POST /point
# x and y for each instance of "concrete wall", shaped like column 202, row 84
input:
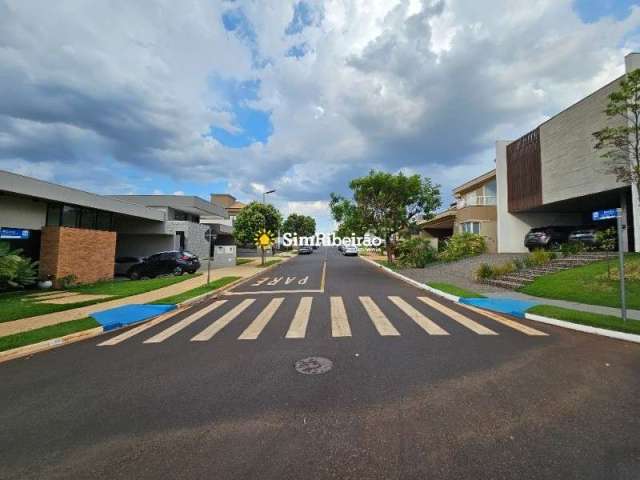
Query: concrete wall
column 486, row 215
column 512, row 228
column 89, row 255
column 195, row 241
column 22, row 212
column 142, row 245
column 571, row 167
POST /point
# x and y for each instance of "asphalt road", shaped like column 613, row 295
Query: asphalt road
column 413, row 392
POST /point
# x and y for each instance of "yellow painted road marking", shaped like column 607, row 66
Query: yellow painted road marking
column 256, row 327
column 339, row 322
column 298, row 327
column 184, row 323
column 223, row 321
column 324, row 274
column 507, row 321
column 458, row 317
column 140, row 328
column 379, row 319
column 427, row 324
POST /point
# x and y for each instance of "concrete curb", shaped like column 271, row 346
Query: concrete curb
column 413, row 282
column 50, row 344
column 629, row 337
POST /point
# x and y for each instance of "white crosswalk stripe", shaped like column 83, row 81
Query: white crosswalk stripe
column 184, row 323
column 256, row 327
column 339, row 320
column 508, row 322
column 136, row 330
column 298, row 327
column 458, row 317
column 379, row 319
column 422, row 320
column 223, row 321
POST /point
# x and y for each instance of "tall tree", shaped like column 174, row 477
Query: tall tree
column 621, row 144
column 344, row 212
column 385, row 204
column 303, row 225
column 252, row 219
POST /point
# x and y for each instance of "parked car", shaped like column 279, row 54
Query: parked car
column 350, row 250
column 341, row 248
column 550, row 238
column 588, row 235
column 164, row 263
column 124, row 264
column 305, row 250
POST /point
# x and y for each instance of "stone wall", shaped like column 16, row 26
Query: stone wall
column 89, row 255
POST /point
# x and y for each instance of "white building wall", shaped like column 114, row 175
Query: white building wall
column 20, row 212
column 512, row 227
column 632, row 62
column 142, row 245
column 194, row 234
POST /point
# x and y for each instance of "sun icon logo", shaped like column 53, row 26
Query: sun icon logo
column 264, row 238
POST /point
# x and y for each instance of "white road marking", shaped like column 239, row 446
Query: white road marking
column 275, row 281
column 256, row 327
column 271, row 292
column 223, row 321
column 508, row 322
column 140, row 328
column 379, row 319
column 458, row 317
column 339, row 322
column 298, row 327
column 427, row 324
column 184, row 323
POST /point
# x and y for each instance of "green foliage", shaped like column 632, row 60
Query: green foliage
column 252, row 219
column 539, row 257
column 46, row 333
column 455, row 290
column 485, row 272
column 16, row 271
column 621, row 144
column 463, row 245
column 303, row 225
column 67, row 281
column 416, row 253
column 571, row 248
column 385, row 204
column 607, row 239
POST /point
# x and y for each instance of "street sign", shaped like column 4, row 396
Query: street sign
column 14, row 234
column 604, row 214
column 210, row 236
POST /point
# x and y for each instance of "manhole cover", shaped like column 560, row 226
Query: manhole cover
column 314, row 365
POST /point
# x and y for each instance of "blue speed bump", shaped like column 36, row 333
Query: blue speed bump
column 510, row 306
column 129, row 314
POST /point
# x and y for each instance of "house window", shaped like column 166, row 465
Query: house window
column 70, row 216
column 54, row 211
column 470, row 227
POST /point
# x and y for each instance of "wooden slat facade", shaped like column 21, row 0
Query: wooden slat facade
column 524, row 172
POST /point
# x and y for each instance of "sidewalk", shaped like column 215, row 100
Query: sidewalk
column 25, row 324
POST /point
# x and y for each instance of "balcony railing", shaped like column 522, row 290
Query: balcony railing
column 480, row 201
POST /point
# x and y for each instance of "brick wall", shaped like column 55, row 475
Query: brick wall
column 87, row 254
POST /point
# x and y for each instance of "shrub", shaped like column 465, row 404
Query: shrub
column 463, row 245
column 539, row 257
column 571, row 248
column 416, row 253
column 67, row 281
column 16, row 271
column 485, row 272
column 607, row 239
column 519, row 263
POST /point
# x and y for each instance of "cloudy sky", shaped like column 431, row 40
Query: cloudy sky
column 197, row 96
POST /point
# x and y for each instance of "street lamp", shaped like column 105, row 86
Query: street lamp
column 264, row 194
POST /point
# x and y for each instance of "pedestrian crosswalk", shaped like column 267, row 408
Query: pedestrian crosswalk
column 385, row 315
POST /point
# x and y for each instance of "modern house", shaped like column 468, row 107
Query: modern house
column 76, row 233
column 473, row 211
column 553, row 176
column 230, row 204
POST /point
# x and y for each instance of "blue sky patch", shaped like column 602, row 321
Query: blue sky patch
column 303, row 16
column 593, row 10
column 298, row 51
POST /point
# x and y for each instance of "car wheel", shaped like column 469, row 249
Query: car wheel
column 134, row 275
column 555, row 245
column 178, row 271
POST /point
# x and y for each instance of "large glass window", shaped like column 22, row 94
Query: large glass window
column 70, row 216
column 54, row 210
column 104, row 221
column 88, row 218
column 470, row 227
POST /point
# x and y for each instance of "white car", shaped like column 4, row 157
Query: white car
column 350, row 250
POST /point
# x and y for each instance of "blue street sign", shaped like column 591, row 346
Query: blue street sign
column 14, row 233
column 604, row 214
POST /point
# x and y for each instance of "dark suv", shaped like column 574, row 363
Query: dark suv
column 587, row 235
column 164, row 263
column 550, row 238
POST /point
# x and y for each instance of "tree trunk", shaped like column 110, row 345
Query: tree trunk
column 389, row 250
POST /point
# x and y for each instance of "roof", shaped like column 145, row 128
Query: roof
column 32, row 187
column 237, row 204
column 186, row 203
column 441, row 220
column 475, row 181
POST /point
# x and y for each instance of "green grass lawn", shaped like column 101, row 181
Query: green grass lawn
column 46, row 333
column 589, row 284
column 16, row 305
column 181, row 297
column 385, row 263
column 242, row 261
column 454, row 290
column 268, row 263
column 586, row 318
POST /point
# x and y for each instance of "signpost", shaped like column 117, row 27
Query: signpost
column 14, row 233
column 210, row 236
column 609, row 215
